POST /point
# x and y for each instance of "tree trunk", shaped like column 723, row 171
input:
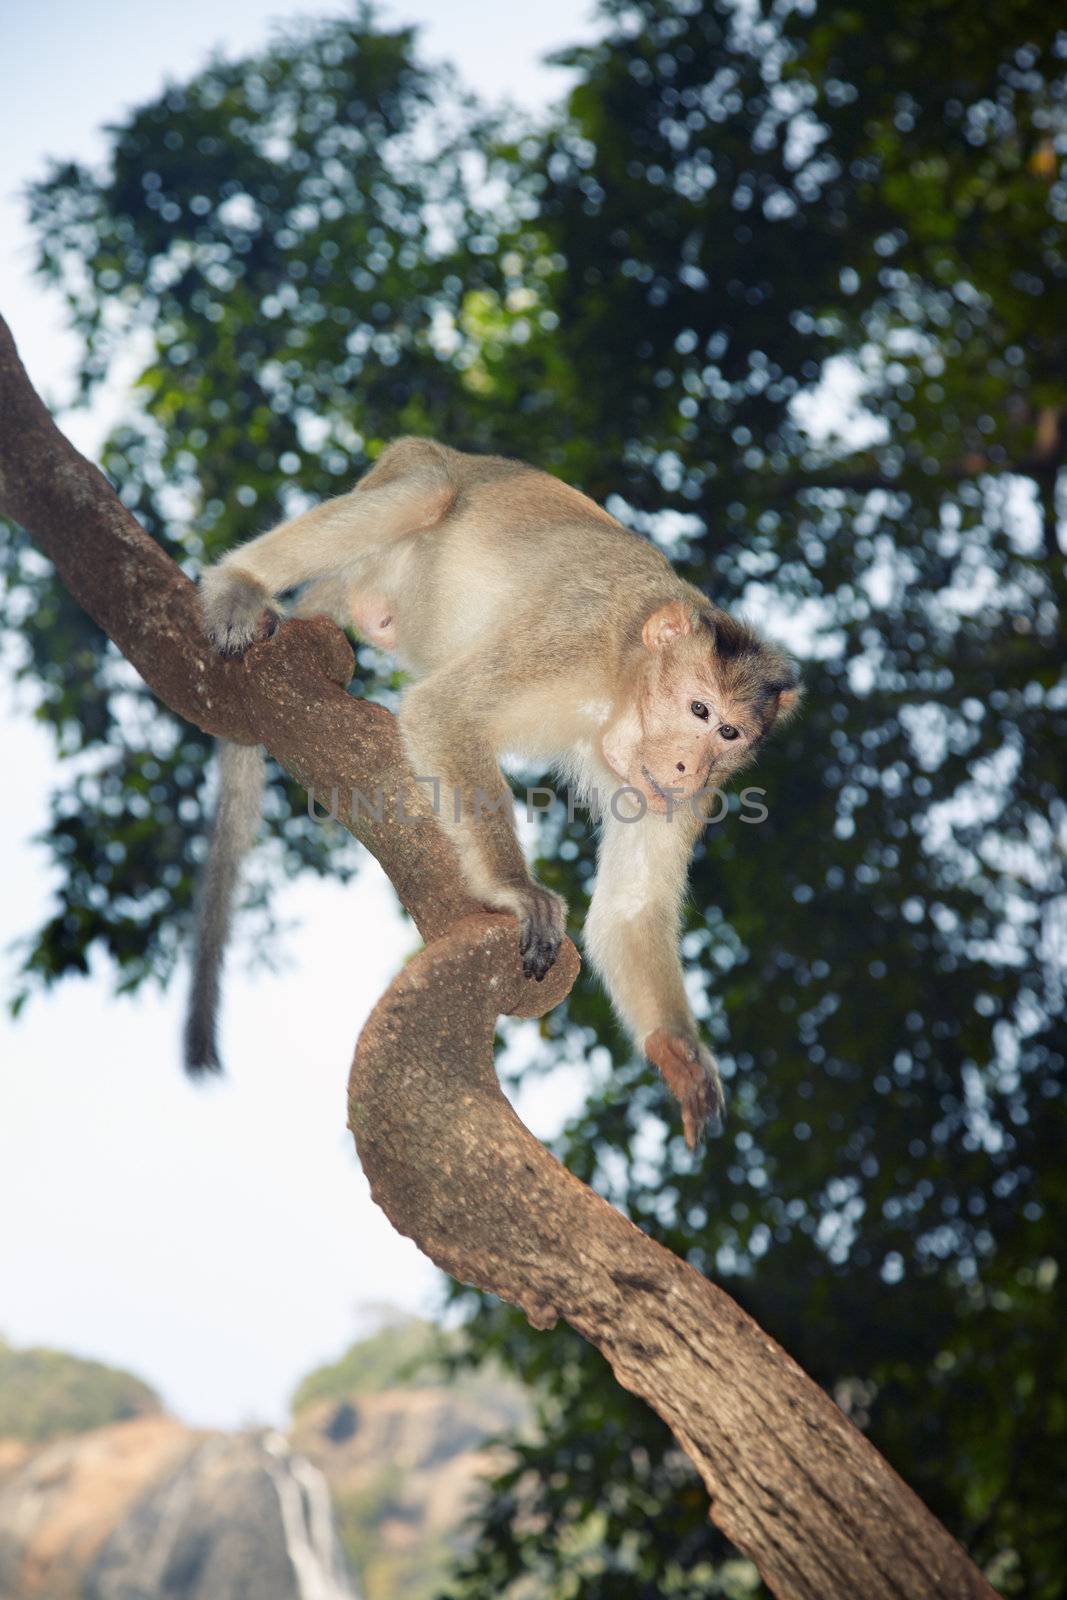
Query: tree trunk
column 792, row 1483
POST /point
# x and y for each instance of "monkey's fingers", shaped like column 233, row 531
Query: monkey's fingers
column 539, row 960
column 538, row 950
column 265, row 626
column 691, row 1074
column 541, row 929
column 240, row 636
column 237, row 611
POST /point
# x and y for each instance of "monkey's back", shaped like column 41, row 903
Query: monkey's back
column 503, row 557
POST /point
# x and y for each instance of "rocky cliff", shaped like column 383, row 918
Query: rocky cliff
column 404, row 1466
column 376, row 1476
column 404, row 1443
column 148, row 1509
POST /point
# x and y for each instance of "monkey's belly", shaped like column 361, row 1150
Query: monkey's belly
column 373, row 617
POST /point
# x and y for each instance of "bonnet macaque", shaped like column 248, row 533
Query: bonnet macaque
column 533, row 623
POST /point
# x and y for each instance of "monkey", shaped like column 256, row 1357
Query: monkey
column 532, row 622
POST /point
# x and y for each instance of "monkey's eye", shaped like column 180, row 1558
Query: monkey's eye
column 728, row 731
column 699, row 709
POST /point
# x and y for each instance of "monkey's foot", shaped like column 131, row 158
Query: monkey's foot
column 691, row 1073
column 237, row 611
column 542, row 921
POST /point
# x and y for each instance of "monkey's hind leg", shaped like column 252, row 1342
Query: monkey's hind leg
column 409, row 490
column 445, row 741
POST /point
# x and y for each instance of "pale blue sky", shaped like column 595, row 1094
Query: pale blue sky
column 218, row 1243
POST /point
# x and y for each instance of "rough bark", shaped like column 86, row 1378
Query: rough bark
column 792, row 1482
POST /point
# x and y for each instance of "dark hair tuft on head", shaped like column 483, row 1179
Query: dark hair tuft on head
column 732, row 638
column 790, row 678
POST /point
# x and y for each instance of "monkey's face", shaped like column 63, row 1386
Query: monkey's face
column 706, row 693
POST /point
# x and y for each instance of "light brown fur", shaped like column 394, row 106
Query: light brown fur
column 536, row 624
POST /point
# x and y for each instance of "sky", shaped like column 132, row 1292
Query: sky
column 218, row 1242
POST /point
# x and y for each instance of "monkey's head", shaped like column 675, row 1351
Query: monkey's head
column 706, row 692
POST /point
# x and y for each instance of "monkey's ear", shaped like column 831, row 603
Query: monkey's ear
column 789, row 701
column 790, row 693
column 666, row 624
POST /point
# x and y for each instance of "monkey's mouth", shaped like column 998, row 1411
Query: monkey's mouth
column 660, row 793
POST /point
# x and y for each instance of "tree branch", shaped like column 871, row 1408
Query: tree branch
column 792, row 1482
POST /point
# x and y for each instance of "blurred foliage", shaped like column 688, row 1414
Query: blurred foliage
column 786, row 285
column 405, row 1352
column 45, row 1393
column 270, row 247
column 746, row 203
column 396, row 1356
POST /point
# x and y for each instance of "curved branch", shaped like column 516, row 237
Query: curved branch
column 792, row 1482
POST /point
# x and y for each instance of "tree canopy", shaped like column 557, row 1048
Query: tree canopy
column 786, row 284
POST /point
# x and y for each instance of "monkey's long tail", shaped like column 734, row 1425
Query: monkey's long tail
column 242, row 779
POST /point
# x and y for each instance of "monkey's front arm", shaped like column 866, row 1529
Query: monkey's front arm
column 631, row 935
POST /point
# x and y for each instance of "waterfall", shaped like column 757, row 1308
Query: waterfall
column 307, row 1522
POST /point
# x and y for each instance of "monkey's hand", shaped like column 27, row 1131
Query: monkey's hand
column 691, row 1073
column 237, row 611
column 542, row 922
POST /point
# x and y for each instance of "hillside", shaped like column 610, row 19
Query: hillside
column 44, row 1393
